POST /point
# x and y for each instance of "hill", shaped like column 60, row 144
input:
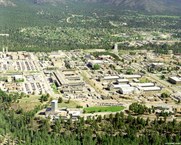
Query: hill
column 151, row 6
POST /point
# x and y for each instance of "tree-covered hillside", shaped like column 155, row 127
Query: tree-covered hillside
column 72, row 25
column 19, row 127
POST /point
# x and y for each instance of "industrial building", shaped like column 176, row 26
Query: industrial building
column 122, row 81
column 111, row 78
column 54, row 112
column 127, row 90
column 54, row 105
column 118, row 86
column 142, row 84
column 68, row 81
column 154, row 88
column 175, row 80
column 130, row 76
column 91, row 63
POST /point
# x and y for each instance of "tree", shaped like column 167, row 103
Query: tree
column 164, row 95
column 138, row 108
column 96, row 67
column 60, row 100
column 44, row 98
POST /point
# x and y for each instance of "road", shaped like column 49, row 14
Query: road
column 87, row 78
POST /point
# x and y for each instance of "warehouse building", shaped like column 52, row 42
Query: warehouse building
column 175, row 80
column 142, row 84
column 154, row 88
column 130, row 76
column 127, row 90
column 122, row 81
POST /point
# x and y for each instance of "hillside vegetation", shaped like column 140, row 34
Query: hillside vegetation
column 39, row 26
column 20, row 127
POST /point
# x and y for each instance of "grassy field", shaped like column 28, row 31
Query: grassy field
column 103, row 109
column 28, row 103
column 54, row 87
column 71, row 104
column 144, row 80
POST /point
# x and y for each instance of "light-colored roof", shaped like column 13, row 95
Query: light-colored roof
column 75, row 113
column 130, row 76
column 121, row 85
column 111, row 77
column 96, row 61
column 157, row 63
column 123, row 80
column 155, row 88
column 54, row 101
column 142, row 84
column 177, row 79
column 126, row 90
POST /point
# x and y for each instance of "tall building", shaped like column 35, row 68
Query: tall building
column 54, row 105
column 116, row 48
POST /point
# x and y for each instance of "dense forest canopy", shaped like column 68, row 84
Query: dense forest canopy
column 72, row 25
column 23, row 128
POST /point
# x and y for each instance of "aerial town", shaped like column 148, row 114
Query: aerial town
column 93, row 78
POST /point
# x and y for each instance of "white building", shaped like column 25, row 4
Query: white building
column 131, row 76
column 118, row 86
column 154, row 88
column 54, row 105
column 142, row 84
column 122, row 80
column 127, row 90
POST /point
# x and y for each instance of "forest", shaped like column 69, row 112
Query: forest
column 20, row 127
column 77, row 26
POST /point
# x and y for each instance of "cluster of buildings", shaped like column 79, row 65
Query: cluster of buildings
column 54, row 112
column 175, row 80
column 21, row 72
column 117, row 81
column 127, row 84
column 69, row 81
column 17, row 61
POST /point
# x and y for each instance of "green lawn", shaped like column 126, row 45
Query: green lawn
column 54, row 87
column 103, row 109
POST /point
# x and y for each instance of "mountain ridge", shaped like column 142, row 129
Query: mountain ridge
column 150, row 6
column 143, row 5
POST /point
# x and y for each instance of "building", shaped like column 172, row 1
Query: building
column 18, row 77
column 175, row 80
column 68, row 81
column 142, row 84
column 130, row 76
column 154, row 88
column 121, row 85
column 127, row 90
column 91, row 63
column 176, row 96
column 118, row 86
column 55, row 113
column 54, row 105
column 163, row 108
column 111, row 77
column 75, row 114
column 157, row 65
column 122, row 81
